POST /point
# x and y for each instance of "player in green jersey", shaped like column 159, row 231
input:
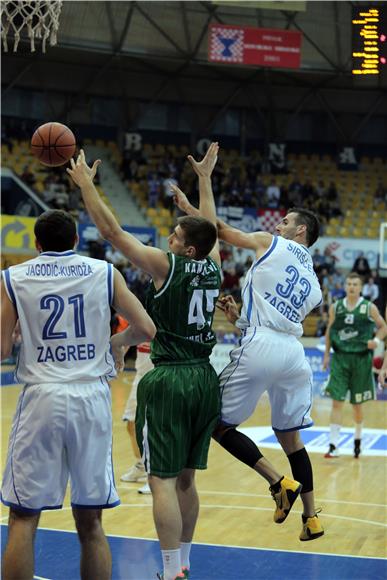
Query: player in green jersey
column 350, row 333
column 178, row 402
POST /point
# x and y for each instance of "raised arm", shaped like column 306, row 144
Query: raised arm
column 258, row 241
column 207, row 207
column 151, row 260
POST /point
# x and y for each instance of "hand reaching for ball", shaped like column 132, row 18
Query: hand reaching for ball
column 80, row 172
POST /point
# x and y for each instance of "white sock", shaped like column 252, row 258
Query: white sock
column 172, row 563
column 185, row 548
column 335, row 434
column 358, row 430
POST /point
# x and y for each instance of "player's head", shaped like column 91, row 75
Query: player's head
column 353, row 285
column 300, row 225
column 193, row 237
column 55, row 231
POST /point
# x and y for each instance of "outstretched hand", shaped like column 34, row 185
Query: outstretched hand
column 80, row 172
column 180, row 199
column 229, row 307
column 118, row 352
column 205, row 167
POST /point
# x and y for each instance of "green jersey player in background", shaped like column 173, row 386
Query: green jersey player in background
column 350, row 333
column 178, row 402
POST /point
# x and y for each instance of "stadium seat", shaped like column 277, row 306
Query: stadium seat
column 164, row 231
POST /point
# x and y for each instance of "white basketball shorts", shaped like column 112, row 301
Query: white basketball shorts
column 61, row 431
column 270, row 361
column 143, row 365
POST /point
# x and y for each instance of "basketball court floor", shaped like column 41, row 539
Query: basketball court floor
column 236, row 537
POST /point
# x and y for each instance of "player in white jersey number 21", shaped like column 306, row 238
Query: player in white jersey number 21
column 63, row 423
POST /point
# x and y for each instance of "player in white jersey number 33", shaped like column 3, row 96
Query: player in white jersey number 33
column 281, row 288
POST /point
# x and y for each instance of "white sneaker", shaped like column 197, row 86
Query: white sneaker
column 145, row 489
column 135, row 473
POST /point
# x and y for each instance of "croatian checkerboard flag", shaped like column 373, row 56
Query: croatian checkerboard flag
column 226, row 44
column 269, row 218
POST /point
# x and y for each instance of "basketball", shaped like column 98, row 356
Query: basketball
column 53, row 144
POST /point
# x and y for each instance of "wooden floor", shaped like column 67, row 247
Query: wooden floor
column 236, row 507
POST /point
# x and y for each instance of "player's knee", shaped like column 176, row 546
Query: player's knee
column 220, row 430
column 88, row 523
column 290, row 441
column 27, row 520
column 186, row 479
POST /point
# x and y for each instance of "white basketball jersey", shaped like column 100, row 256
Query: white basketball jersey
column 63, row 304
column 280, row 289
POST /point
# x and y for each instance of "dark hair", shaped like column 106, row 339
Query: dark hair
column 353, row 275
column 200, row 233
column 55, row 230
column 310, row 220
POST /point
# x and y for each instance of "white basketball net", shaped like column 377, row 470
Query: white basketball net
column 40, row 19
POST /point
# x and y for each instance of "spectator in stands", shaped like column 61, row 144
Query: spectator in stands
column 335, row 208
column 115, row 257
column 5, row 139
column 332, row 194
column 320, row 189
column 154, row 186
column 253, row 165
column 273, row 195
column 380, row 194
column 322, row 324
column 308, row 192
column 259, row 191
column 329, row 260
column 140, row 285
column 337, row 291
column 28, row 177
column 318, row 261
column 361, row 266
column 284, row 198
column 294, row 193
column 168, row 193
column 230, row 283
column 370, row 290
column 83, row 216
column 97, row 249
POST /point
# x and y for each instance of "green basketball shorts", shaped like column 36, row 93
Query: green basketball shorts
column 178, row 407
column 351, row 372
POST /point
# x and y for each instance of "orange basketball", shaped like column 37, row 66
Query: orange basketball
column 53, row 144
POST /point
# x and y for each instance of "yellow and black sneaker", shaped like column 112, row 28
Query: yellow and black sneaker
column 311, row 528
column 285, row 498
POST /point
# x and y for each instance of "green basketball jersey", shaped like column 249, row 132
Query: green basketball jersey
column 183, row 310
column 352, row 328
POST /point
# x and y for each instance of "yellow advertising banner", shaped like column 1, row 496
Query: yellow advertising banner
column 17, row 233
column 290, row 6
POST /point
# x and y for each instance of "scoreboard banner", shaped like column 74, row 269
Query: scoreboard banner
column 254, row 46
column 289, row 5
